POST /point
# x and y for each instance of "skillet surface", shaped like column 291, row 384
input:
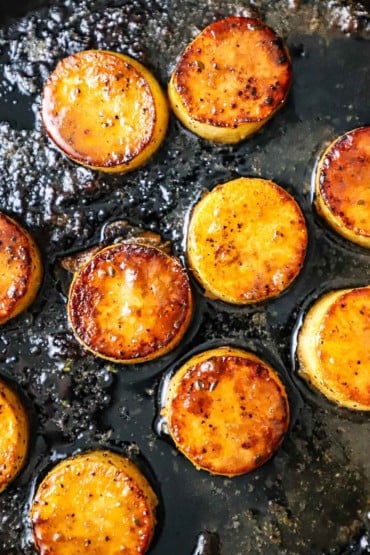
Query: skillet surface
column 312, row 498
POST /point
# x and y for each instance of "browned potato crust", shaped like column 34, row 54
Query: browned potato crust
column 334, row 347
column 227, row 411
column 130, row 303
column 342, row 186
column 20, row 269
column 96, row 503
column 231, row 79
column 104, row 110
column 14, row 435
column 247, row 240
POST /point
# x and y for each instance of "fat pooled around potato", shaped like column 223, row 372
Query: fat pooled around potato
column 247, row 240
column 334, row 347
column 14, row 435
column 130, row 303
column 104, row 110
column 231, row 79
column 226, row 410
column 96, row 503
column 20, row 269
column 343, row 185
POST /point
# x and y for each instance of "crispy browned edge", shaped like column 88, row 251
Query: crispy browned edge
column 181, row 73
column 138, row 157
column 27, row 286
column 176, row 382
column 77, row 300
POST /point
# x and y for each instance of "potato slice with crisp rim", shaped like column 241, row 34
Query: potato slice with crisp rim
column 20, row 269
column 247, row 241
column 334, row 347
column 343, row 186
column 98, row 502
column 104, row 110
column 226, row 410
column 14, row 435
column 231, row 79
column 130, row 303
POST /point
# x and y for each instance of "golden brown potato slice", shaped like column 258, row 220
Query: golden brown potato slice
column 247, row 240
column 227, row 411
column 230, row 80
column 334, row 347
column 20, row 269
column 343, row 186
column 14, row 435
column 104, row 110
column 96, row 503
column 130, row 303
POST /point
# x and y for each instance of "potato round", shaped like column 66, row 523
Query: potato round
column 231, row 79
column 334, row 347
column 130, row 303
column 247, row 241
column 342, row 186
column 20, row 269
column 226, row 410
column 104, row 110
column 98, row 503
column 14, row 435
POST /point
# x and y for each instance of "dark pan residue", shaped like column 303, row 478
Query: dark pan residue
column 313, row 496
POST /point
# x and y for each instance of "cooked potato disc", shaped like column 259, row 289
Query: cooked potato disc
column 334, row 347
column 230, row 80
column 247, row 240
column 98, row 503
column 227, row 411
column 20, row 269
column 104, row 110
column 14, row 435
column 130, row 303
column 343, row 186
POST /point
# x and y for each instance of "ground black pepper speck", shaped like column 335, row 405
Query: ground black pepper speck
column 312, row 497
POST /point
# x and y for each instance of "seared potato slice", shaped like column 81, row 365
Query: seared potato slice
column 334, row 347
column 247, row 240
column 230, row 80
column 98, row 503
column 343, row 186
column 14, row 435
column 226, row 410
column 20, row 269
column 104, row 110
column 130, row 303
